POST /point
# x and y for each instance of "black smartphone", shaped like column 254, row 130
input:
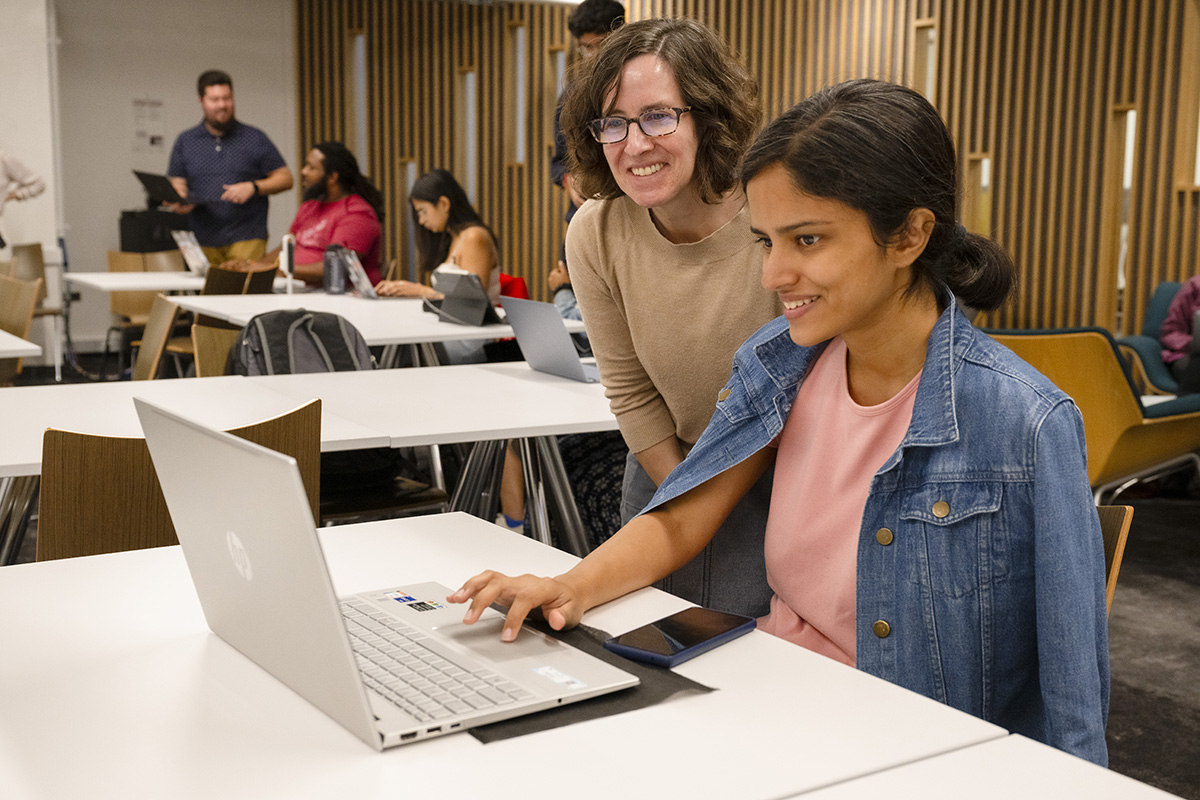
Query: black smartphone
column 683, row 635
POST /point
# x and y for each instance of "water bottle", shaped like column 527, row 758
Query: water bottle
column 335, row 269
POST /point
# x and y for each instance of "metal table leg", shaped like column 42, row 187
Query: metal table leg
column 18, row 497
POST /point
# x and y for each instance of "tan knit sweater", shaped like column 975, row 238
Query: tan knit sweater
column 664, row 319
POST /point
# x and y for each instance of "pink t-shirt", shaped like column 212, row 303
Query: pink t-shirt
column 350, row 222
column 829, row 451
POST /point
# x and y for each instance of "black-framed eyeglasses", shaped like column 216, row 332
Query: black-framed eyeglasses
column 655, row 122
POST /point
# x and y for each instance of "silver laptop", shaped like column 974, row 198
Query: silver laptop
column 544, row 340
column 358, row 275
column 394, row 665
column 193, row 253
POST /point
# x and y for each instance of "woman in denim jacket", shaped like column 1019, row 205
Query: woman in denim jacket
column 931, row 521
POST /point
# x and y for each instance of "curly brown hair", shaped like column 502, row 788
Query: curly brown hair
column 716, row 86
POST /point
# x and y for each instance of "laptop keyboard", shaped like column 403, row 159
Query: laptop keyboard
column 395, row 662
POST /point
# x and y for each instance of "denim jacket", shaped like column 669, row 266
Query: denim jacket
column 980, row 578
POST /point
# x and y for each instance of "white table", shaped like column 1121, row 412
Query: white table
column 159, row 281
column 137, row 281
column 386, row 321
column 115, row 689
column 107, row 409
column 484, row 403
column 1009, row 768
column 13, row 346
column 461, row 403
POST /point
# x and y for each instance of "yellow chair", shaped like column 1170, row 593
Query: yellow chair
column 164, row 261
column 1114, row 524
column 211, row 345
column 18, row 301
column 1126, row 441
column 29, row 263
column 154, row 338
column 100, row 494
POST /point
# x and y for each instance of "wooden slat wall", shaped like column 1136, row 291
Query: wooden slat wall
column 1036, row 88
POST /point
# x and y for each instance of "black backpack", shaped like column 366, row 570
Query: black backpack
column 298, row 341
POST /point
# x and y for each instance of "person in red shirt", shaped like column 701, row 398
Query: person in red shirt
column 340, row 207
column 1181, row 337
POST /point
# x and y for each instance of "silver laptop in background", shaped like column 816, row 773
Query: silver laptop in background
column 358, row 275
column 193, row 253
column 544, row 340
column 263, row 583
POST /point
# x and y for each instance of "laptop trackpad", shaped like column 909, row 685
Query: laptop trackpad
column 483, row 639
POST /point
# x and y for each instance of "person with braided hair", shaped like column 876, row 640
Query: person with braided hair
column 931, row 521
column 340, row 207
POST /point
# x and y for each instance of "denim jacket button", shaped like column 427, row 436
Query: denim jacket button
column 881, row 629
column 883, row 536
column 941, row 508
column 723, row 395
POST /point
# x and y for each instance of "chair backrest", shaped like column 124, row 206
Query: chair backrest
column 210, row 346
column 512, row 286
column 1156, row 309
column 260, row 281
column 18, row 301
column 158, row 329
column 100, row 494
column 164, row 261
column 131, row 305
column 1114, row 524
column 1085, row 364
column 29, row 264
column 219, row 280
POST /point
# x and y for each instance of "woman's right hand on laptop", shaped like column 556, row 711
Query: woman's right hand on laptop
column 556, row 598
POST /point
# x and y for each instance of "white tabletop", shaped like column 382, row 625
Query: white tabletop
column 12, row 346
column 464, row 403
column 117, row 689
column 389, row 320
column 1001, row 769
column 149, row 281
column 107, row 408
column 137, row 281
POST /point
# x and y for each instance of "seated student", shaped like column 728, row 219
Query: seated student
column 340, row 207
column 450, row 236
column 931, row 521
column 1181, row 338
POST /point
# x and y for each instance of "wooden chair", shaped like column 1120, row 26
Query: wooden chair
column 18, row 301
column 210, row 346
column 154, row 338
column 1114, row 524
column 29, row 263
column 164, row 261
column 100, row 494
column 220, row 281
column 131, row 309
column 1126, row 441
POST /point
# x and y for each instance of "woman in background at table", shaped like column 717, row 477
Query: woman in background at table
column 931, row 521
column 664, row 266
column 450, row 236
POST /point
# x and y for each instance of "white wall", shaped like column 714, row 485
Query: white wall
column 114, row 52
column 26, row 124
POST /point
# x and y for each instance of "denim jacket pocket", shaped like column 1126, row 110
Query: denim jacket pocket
column 959, row 539
column 734, row 400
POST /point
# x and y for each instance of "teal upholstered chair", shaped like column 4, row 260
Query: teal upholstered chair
column 1144, row 352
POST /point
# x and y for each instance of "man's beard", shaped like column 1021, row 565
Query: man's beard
column 221, row 127
column 318, row 191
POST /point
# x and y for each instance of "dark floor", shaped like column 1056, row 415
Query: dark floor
column 1154, row 721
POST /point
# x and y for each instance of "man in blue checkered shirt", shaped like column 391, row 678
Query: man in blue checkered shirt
column 226, row 169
